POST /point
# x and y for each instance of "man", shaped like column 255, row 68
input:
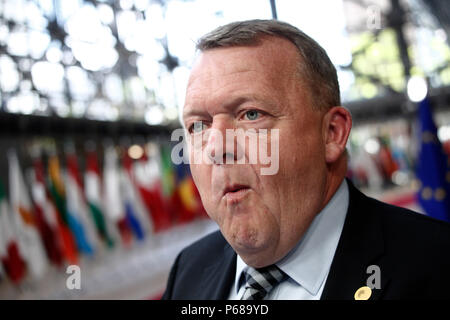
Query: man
column 303, row 232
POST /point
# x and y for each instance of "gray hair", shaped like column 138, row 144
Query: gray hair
column 316, row 67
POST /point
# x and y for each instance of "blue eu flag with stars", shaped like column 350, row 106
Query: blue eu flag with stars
column 433, row 170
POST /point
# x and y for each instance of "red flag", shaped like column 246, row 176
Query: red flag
column 29, row 239
column 147, row 180
column 45, row 215
column 13, row 263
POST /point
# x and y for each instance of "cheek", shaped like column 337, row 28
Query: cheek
column 201, row 175
column 302, row 150
column 302, row 166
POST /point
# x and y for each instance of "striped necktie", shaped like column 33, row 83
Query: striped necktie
column 259, row 282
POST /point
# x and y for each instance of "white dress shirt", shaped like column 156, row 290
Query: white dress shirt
column 308, row 263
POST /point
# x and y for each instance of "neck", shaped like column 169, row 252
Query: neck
column 336, row 174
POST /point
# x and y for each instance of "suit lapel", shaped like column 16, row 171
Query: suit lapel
column 218, row 278
column 361, row 245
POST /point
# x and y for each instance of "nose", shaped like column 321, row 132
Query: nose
column 221, row 146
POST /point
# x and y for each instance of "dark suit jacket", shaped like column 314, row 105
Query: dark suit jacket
column 411, row 250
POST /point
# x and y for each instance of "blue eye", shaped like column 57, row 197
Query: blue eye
column 252, row 114
column 196, row 127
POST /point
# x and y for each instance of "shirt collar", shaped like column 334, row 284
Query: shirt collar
column 309, row 261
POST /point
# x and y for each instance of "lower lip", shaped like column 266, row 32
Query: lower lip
column 235, row 197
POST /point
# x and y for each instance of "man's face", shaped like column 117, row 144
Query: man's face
column 257, row 87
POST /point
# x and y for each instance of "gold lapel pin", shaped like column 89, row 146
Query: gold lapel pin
column 363, row 293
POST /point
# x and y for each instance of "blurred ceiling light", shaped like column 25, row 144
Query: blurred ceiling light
column 54, row 54
column 66, row 9
column 400, row 178
column 417, row 88
column 137, row 90
column 25, row 65
column 101, row 109
column 85, row 24
column 181, row 78
column 60, row 106
column 141, row 5
column 106, row 13
column 4, row 33
column 444, row 133
column 34, row 17
column 48, row 77
column 13, row 10
column 126, row 21
column 135, row 151
column 80, row 85
column 68, row 57
column 372, row 146
column 25, row 85
column 126, row 4
column 96, row 56
column 145, row 45
column 13, row 104
column 441, row 34
column 171, row 113
column 154, row 116
column 155, row 17
column 149, row 70
column 9, row 76
column 18, row 43
column 166, row 93
column 25, row 102
column 113, row 88
column 78, row 109
column 38, row 43
column 92, row 43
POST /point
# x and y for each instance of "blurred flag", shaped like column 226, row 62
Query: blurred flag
column 28, row 236
column 94, row 199
column 148, row 182
column 113, row 203
column 168, row 182
column 172, row 178
column 387, row 162
column 201, row 209
column 134, row 211
column 185, row 192
column 80, row 219
column 13, row 263
column 179, row 187
column 167, row 172
column 432, row 168
column 46, row 216
column 58, row 203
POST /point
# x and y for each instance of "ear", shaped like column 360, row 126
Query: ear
column 336, row 129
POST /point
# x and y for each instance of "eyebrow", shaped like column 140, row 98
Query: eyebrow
column 230, row 105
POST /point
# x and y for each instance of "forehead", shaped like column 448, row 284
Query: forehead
column 267, row 66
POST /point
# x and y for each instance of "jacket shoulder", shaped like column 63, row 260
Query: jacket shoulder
column 187, row 272
column 410, row 226
column 401, row 224
column 416, row 250
column 410, row 250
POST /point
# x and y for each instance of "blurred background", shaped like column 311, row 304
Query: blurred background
column 90, row 93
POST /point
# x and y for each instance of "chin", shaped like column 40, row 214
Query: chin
column 258, row 258
column 251, row 244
